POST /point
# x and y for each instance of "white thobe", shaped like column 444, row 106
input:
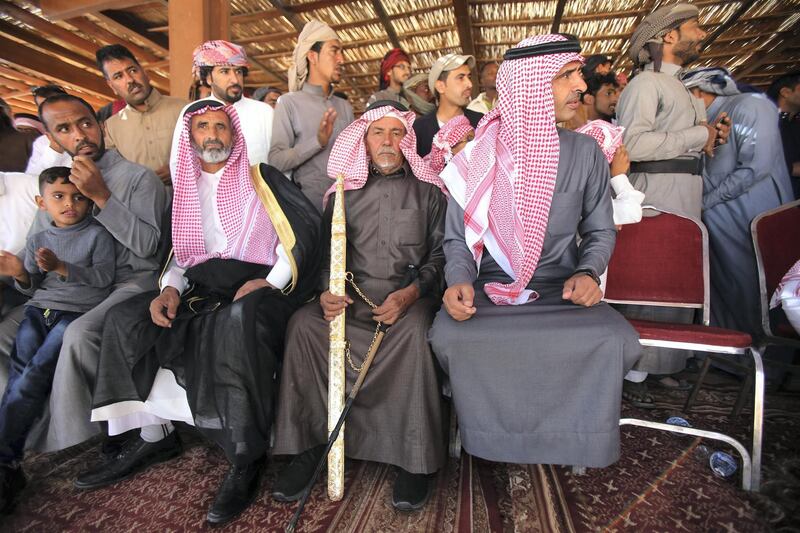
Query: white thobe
column 43, row 157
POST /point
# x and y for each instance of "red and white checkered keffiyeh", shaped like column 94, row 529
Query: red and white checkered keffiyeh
column 250, row 234
column 789, row 286
column 607, row 135
column 448, row 136
column 510, row 172
column 350, row 157
column 218, row 53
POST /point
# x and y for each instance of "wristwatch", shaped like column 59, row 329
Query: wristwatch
column 589, row 272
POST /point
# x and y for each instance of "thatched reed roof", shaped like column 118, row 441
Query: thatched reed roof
column 758, row 40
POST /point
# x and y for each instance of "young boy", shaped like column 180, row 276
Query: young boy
column 68, row 269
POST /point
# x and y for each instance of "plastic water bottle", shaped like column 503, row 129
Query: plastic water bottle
column 722, row 464
column 702, row 452
column 678, row 421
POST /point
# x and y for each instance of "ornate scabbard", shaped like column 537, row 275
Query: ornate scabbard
column 336, row 352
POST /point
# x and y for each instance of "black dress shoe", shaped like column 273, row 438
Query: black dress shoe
column 237, row 492
column 134, row 457
column 112, row 445
column 293, row 480
column 12, row 481
column 411, row 491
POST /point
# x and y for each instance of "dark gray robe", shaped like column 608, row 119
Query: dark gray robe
column 746, row 177
column 392, row 222
column 541, row 382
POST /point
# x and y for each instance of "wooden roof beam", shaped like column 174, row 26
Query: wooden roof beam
column 288, row 13
column 387, row 23
column 544, row 21
column 64, row 9
column 20, row 105
column 44, row 65
column 280, row 9
column 15, row 74
column 762, row 55
column 87, row 26
column 559, row 14
column 274, row 74
column 352, row 44
column 722, row 28
column 464, row 25
column 79, row 44
column 60, row 54
column 128, row 24
column 26, row 38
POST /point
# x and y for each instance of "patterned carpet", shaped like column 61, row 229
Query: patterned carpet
column 661, row 483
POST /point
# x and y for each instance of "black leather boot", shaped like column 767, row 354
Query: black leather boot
column 238, row 490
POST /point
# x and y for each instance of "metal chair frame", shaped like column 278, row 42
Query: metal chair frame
column 751, row 467
column 768, row 338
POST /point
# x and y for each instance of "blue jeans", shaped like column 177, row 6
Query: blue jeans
column 30, row 377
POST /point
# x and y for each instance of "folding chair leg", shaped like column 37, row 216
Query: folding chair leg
column 758, row 418
column 454, row 443
column 744, row 392
column 703, row 371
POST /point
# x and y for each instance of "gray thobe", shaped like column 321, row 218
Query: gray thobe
column 392, row 222
column 295, row 148
column 133, row 216
column 746, row 177
column 662, row 121
column 541, row 383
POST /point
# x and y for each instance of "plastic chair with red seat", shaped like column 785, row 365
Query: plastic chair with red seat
column 663, row 261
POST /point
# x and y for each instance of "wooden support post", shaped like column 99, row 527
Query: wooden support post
column 192, row 22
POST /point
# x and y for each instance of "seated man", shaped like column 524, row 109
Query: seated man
column 535, row 362
column 395, row 224
column 207, row 346
column 129, row 201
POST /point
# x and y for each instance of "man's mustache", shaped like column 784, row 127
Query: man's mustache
column 388, row 151
column 133, row 85
column 212, row 143
column 235, row 86
column 83, row 143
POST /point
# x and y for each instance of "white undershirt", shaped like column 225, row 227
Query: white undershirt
column 216, row 241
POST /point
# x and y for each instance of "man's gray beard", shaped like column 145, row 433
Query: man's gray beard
column 388, row 168
column 213, row 155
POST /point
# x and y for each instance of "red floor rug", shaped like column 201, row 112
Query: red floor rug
column 661, row 483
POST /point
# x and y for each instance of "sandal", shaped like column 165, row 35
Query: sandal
column 670, row 383
column 637, row 395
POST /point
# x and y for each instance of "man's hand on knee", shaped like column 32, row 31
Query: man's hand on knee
column 251, row 286
column 581, row 289
column 164, row 307
column 458, row 301
column 332, row 305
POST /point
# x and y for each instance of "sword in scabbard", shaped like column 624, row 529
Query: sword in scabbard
column 338, row 343
column 334, row 434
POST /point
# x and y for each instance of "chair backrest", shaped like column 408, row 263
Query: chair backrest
column 776, row 239
column 661, row 261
